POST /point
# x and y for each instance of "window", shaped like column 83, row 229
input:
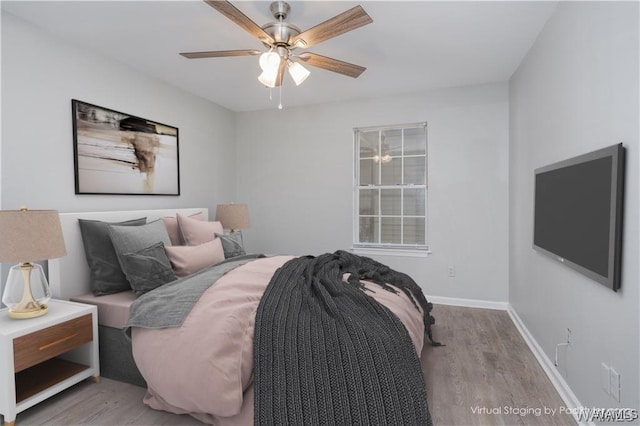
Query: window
column 390, row 191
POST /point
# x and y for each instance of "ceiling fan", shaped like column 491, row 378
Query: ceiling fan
column 282, row 38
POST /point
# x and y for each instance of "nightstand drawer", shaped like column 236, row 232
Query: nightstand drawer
column 45, row 344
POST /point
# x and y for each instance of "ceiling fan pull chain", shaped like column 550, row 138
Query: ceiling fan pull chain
column 280, row 104
column 270, row 97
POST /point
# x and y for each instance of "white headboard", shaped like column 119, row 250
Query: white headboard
column 69, row 275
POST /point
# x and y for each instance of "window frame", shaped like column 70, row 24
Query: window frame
column 401, row 249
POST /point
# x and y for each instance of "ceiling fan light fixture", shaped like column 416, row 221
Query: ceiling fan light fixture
column 298, row 72
column 269, row 77
column 269, row 60
column 281, row 38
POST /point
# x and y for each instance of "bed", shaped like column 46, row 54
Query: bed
column 69, row 280
column 219, row 343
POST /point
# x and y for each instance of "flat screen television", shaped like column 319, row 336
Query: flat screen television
column 578, row 213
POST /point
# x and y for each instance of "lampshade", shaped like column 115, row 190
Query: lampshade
column 233, row 216
column 298, row 72
column 269, row 60
column 269, row 77
column 29, row 235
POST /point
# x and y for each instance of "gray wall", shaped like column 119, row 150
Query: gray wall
column 295, row 169
column 577, row 91
column 40, row 76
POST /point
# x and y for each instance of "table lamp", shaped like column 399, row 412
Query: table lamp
column 233, row 217
column 27, row 236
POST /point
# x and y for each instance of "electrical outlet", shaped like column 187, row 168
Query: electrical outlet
column 614, row 384
column 568, row 336
column 605, row 378
column 451, row 271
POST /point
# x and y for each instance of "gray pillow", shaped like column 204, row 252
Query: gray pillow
column 231, row 244
column 147, row 269
column 106, row 276
column 130, row 239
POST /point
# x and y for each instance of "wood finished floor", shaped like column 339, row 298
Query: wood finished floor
column 485, row 375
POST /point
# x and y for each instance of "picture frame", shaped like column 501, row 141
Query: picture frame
column 121, row 154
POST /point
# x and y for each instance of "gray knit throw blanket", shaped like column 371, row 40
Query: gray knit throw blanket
column 326, row 353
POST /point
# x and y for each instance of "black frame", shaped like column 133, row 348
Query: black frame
column 109, row 145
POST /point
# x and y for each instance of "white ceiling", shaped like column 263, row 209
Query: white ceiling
column 410, row 46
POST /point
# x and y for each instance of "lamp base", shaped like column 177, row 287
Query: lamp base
column 38, row 311
column 19, row 292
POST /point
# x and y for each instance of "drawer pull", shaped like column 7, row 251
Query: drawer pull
column 57, row 342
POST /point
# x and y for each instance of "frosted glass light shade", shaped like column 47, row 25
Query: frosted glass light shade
column 270, row 63
column 298, row 72
column 269, row 77
column 269, row 60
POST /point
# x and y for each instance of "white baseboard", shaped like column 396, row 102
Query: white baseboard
column 554, row 375
column 468, row 303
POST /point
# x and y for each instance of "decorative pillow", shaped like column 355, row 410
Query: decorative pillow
column 106, row 276
column 171, row 224
column 232, row 244
column 147, row 269
column 130, row 239
column 187, row 260
column 195, row 232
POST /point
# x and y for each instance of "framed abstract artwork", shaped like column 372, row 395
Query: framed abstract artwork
column 118, row 153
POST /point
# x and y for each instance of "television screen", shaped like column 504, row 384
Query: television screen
column 578, row 213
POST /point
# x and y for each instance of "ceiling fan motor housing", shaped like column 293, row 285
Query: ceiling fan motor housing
column 280, row 10
column 281, row 32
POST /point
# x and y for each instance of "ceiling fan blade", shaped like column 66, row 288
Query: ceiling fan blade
column 220, row 53
column 281, row 70
column 339, row 24
column 331, row 64
column 233, row 13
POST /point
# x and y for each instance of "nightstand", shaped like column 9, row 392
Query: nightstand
column 40, row 357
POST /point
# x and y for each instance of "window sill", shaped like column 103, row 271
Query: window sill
column 370, row 251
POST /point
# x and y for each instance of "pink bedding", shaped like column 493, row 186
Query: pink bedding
column 204, row 368
column 113, row 309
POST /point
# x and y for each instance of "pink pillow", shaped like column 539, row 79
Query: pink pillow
column 186, row 260
column 195, row 232
column 171, row 223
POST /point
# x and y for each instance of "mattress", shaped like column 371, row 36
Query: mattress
column 113, row 309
